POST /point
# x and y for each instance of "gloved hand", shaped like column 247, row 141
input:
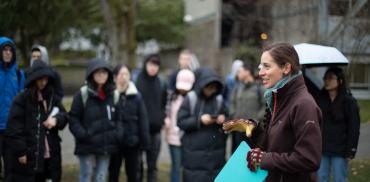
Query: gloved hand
column 241, row 125
column 254, row 159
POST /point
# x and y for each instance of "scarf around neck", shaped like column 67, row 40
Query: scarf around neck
column 276, row 87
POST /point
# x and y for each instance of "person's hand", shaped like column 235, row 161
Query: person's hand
column 50, row 122
column 206, row 119
column 23, row 160
column 220, row 119
column 254, row 159
column 240, row 125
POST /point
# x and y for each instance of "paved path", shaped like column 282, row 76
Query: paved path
column 364, row 142
column 69, row 157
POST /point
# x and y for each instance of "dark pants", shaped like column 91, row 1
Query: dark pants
column 151, row 157
column 132, row 162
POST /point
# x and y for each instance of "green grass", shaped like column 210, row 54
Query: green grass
column 359, row 171
column 364, row 110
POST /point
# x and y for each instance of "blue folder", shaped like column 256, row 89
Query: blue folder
column 236, row 170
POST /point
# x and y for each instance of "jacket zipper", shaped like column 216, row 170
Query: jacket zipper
column 275, row 106
column 281, row 178
column 38, row 139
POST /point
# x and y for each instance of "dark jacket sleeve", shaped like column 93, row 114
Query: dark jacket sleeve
column 143, row 124
column 186, row 121
column 62, row 117
column 15, row 130
column 306, row 154
column 353, row 126
column 76, row 116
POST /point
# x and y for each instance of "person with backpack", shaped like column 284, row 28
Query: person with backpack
column 134, row 118
column 154, row 92
column 246, row 101
column 93, row 122
column 31, row 137
column 340, row 127
column 200, row 117
column 12, row 82
column 184, row 83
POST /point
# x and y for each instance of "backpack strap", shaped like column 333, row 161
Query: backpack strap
column 219, row 100
column 193, row 101
column 84, row 94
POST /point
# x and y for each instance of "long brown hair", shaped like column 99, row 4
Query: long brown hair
column 283, row 53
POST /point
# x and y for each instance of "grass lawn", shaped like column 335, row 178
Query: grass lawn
column 364, row 110
column 359, row 172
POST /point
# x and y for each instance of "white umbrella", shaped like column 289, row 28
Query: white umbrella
column 312, row 54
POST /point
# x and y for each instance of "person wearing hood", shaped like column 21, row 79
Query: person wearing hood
column 93, row 122
column 135, row 122
column 154, row 92
column 40, row 53
column 203, row 142
column 31, row 136
column 11, row 81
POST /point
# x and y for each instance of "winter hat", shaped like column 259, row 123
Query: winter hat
column 185, row 80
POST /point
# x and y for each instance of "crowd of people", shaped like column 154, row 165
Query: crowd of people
column 116, row 117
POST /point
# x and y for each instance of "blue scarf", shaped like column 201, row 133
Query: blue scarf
column 278, row 85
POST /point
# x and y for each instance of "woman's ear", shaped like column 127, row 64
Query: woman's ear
column 287, row 69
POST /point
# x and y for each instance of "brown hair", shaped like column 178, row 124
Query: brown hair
column 283, row 53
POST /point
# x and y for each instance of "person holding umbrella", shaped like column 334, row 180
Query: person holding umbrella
column 341, row 126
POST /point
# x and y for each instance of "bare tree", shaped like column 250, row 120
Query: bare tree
column 119, row 16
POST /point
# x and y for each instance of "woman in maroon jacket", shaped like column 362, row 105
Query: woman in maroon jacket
column 289, row 139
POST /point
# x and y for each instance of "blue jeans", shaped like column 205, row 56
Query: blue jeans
column 333, row 165
column 175, row 152
column 87, row 167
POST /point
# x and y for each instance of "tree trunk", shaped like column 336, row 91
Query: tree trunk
column 119, row 16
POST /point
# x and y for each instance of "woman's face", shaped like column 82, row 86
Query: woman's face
column 270, row 72
column 209, row 90
column 42, row 82
column 330, row 81
column 123, row 76
column 152, row 68
column 100, row 76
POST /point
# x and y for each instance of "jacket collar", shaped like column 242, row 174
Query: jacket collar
column 131, row 89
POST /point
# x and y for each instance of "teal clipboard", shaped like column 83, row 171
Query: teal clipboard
column 236, row 169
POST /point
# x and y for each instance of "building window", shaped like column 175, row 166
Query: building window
column 359, row 76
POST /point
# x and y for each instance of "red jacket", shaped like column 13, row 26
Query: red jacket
column 292, row 140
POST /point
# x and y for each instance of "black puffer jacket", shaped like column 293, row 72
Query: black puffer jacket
column 203, row 147
column 25, row 133
column 93, row 124
column 341, row 124
column 133, row 114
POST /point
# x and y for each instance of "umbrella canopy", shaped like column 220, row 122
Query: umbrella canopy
column 312, row 54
